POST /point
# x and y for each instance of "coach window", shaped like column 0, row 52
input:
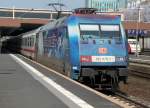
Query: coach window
column 22, row 42
column 88, row 32
column 25, row 41
column 28, row 41
column 31, row 41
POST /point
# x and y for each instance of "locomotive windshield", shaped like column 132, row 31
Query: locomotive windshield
column 89, row 32
column 110, row 31
column 93, row 33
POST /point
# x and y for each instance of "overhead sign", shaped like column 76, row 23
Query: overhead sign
column 135, row 32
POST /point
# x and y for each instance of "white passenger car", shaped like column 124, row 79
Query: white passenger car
column 132, row 43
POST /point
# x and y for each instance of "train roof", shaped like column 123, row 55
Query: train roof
column 55, row 23
column 32, row 31
column 92, row 13
column 101, row 16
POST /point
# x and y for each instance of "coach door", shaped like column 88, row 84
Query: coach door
column 67, row 66
column 36, row 46
column 40, row 43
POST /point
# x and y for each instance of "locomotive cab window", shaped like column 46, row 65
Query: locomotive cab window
column 110, row 31
column 88, row 32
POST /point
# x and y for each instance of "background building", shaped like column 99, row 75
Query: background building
column 145, row 5
column 136, row 9
column 135, row 3
column 107, row 5
column 138, row 14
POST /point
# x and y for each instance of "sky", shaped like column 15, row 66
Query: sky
column 41, row 4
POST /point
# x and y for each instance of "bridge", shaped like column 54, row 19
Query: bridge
column 15, row 21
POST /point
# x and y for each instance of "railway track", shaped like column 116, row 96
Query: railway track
column 132, row 101
column 123, row 98
column 139, row 74
column 140, row 69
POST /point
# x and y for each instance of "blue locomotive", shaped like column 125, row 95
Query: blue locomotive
column 84, row 46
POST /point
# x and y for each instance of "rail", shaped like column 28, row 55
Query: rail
column 139, row 74
column 140, row 68
column 132, row 101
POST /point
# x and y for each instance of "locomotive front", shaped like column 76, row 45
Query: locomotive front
column 98, row 49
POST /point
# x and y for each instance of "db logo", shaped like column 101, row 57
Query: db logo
column 102, row 50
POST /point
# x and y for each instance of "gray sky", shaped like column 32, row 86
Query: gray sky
column 42, row 4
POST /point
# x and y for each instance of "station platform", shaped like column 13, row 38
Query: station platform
column 25, row 84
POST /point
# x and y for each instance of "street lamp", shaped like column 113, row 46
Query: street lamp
column 137, row 26
column 137, row 31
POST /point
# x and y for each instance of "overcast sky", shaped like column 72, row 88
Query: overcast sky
column 70, row 4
